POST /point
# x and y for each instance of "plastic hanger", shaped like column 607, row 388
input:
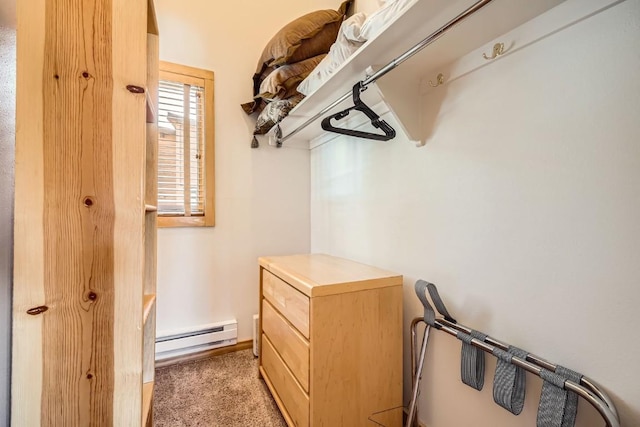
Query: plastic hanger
column 389, row 132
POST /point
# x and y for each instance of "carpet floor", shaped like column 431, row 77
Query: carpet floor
column 222, row 391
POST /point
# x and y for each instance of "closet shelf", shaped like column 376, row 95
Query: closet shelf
column 419, row 20
column 149, row 302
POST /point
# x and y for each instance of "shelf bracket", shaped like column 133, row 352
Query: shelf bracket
column 403, row 99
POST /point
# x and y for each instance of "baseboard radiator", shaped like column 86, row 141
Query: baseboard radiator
column 181, row 342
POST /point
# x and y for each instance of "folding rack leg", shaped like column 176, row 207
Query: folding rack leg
column 417, row 369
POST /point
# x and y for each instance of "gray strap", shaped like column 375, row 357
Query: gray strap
column 571, row 408
column 437, row 301
column 429, row 314
column 472, row 360
column 510, row 380
column 558, row 407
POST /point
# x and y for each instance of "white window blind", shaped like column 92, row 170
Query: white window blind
column 181, row 151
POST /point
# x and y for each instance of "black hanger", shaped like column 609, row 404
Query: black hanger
column 389, row 132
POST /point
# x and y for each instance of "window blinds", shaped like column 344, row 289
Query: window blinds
column 181, row 149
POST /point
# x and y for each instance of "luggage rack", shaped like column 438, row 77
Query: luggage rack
column 585, row 388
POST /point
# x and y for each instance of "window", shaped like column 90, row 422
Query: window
column 185, row 147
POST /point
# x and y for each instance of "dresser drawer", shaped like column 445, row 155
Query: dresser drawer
column 288, row 342
column 293, row 304
column 292, row 396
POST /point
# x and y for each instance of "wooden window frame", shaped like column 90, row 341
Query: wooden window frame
column 184, row 74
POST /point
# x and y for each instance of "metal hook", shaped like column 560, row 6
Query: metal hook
column 439, row 80
column 498, row 49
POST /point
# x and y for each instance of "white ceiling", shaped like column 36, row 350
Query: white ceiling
column 8, row 13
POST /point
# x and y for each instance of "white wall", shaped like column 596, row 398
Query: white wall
column 262, row 195
column 7, row 146
column 522, row 207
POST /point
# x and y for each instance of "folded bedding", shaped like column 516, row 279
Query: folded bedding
column 305, row 53
column 286, row 60
column 303, row 38
column 282, row 82
column 348, row 41
column 272, row 114
column 353, row 33
column 378, row 20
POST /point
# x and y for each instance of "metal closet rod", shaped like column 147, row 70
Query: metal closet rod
column 394, row 63
column 587, row 389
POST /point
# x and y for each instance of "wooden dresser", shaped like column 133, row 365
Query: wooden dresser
column 330, row 339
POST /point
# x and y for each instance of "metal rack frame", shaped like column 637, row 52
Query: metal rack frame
column 587, row 389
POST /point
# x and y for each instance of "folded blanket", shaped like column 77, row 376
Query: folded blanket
column 353, row 33
column 348, row 41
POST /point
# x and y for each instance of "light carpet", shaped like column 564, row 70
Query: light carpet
column 222, row 391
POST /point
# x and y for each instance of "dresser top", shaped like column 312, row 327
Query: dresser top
column 319, row 274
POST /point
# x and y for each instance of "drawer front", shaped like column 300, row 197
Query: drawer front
column 293, row 304
column 292, row 396
column 288, row 342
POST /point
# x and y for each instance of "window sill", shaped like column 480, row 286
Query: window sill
column 184, row 221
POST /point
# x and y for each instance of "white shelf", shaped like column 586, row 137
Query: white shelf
column 418, row 21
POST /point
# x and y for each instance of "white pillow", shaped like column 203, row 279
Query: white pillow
column 381, row 17
column 348, row 41
column 351, row 28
